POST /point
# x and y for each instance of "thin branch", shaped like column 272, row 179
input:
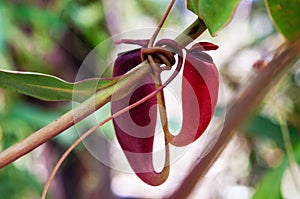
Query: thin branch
column 241, row 108
column 88, row 107
column 161, row 23
column 151, row 61
column 70, row 118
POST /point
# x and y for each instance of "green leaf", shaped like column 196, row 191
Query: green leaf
column 269, row 187
column 285, row 15
column 263, row 127
column 215, row 13
column 270, row 184
column 50, row 88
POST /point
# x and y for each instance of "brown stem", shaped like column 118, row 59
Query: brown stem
column 46, row 133
column 70, row 118
column 83, row 110
column 161, row 23
column 151, row 60
column 241, row 108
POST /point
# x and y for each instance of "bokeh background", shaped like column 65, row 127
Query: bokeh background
column 54, row 37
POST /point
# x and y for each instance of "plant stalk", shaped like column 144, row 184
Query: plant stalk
column 73, row 116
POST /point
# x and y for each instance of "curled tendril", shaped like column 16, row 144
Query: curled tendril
column 164, row 56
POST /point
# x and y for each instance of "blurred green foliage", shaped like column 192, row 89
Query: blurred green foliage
column 34, row 37
column 17, row 183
